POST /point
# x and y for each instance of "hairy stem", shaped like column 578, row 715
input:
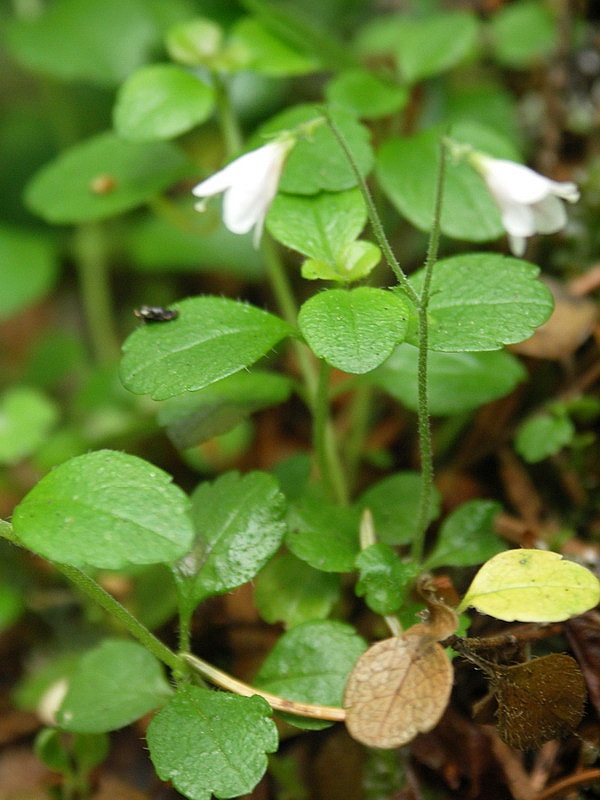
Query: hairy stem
column 374, row 218
column 95, row 592
column 424, row 427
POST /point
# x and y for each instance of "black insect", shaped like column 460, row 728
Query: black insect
column 156, row 313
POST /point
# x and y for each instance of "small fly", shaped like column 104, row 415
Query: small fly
column 156, row 313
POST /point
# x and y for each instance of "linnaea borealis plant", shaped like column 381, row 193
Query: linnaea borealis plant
column 335, row 206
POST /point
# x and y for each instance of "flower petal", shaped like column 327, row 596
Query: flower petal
column 517, row 245
column 509, row 179
column 518, row 219
column 550, row 215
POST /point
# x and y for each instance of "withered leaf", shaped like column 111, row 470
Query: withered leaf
column 571, row 322
column 583, row 634
column 539, row 700
column 400, row 687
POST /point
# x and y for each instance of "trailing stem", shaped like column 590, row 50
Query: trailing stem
column 95, row 592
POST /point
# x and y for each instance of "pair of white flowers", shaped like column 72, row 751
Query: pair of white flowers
column 528, row 202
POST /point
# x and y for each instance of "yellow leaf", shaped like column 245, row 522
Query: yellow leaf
column 532, row 586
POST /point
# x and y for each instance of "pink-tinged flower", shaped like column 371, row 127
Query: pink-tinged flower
column 529, row 203
column 249, row 185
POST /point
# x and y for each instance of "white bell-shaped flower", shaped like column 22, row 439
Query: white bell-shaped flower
column 249, row 185
column 529, row 203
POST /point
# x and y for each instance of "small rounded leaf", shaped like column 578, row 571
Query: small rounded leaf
column 532, row 586
column 107, row 510
column 212, row 742
column 101, row 177
column 400, row 687
column 112, row 685
column 161, row 101
column 354, row 330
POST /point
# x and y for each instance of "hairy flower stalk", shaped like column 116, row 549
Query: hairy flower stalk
column 529, row 202
column 249, row 185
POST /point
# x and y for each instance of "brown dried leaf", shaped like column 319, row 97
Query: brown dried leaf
column 571, row 322
column 583, row 634
column 400, row 687
column 540, row 700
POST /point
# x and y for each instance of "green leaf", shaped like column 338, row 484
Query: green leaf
column 266, row 54
column 365, row 95
column 475, row 378
column 424, row 46
column 324, row 227
column 26, row 418
column 317, row 163
column 89, row 750
column 28, row 269
column 431, row 45
column 290, row 591
column 240, row 525
column 113, row 685
column 161, row 101
column 467, row 536
column 212, row 338
column 394, row 503
column 311, row 662
column 319, row 226
column 323, row 534
column 354, row 330
column 407, row 171
column 103, row 176
column 356, row 261
column 80, row 754
column 105, row 509
column 481, row 301
column 195, row 42
column 543, row 435
column 76, row 40
column 306, row 28
column 523, row 33
column 532, row 586
column 208, row 742
column 197, row 416
column 384, row 579
column 196, row 242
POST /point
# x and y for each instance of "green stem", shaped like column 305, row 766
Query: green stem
column 325, row 445
column 316, row 383
column 227, row 120
column 95, row 592
column 360, row 414
column 374, row 218
column 424, row 426
column 91, row 254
